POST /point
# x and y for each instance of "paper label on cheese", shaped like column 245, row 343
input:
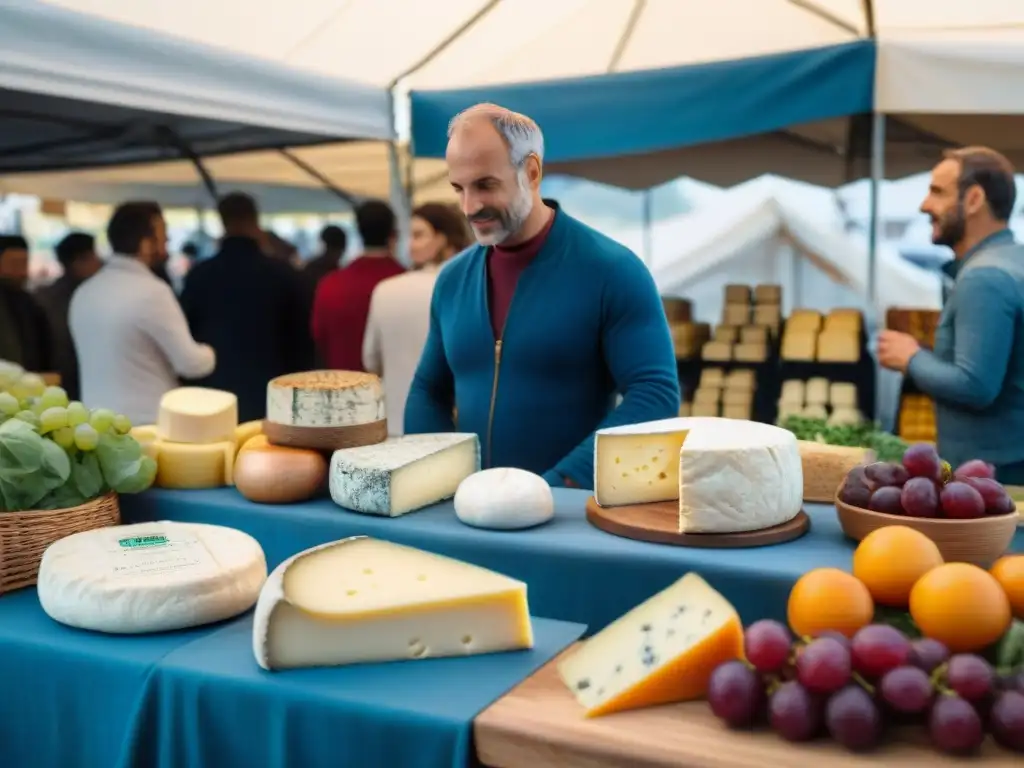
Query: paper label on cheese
column 157, row 554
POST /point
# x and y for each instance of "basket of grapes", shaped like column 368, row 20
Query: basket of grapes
column 966, row 512
column 62, row 467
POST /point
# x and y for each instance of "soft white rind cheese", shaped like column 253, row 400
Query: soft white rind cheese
column 150, row 577
column 362, row 600
column 504, row 498
column 403, row 474
column 325, row 399
column 197, row 415
column 729, row 475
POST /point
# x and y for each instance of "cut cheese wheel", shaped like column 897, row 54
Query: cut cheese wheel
column 150, row 577
column 194, row 467
column 243, row 432
column 325, row 399
column 197, row 415
column 363, row 600
column 729, row 475
column 403, row 474
column 662, row 651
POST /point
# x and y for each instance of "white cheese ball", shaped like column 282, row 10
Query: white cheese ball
column 505, row 499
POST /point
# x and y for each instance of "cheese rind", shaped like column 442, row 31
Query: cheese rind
column 325, row 399
column 403, row 474
column 730, row 475
column 150, row 577
column 197, row 415
column 662, row 651
column 504, row 498
column 363, row 600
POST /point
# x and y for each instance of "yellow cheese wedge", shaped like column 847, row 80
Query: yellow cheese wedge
column 148, row 437
column 243, row 432
column 662, row 651
column 185, row 466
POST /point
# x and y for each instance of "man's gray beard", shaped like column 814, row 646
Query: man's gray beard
column 518, row 212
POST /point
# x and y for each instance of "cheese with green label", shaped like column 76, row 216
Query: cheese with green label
column 363, row 600
column 662, row 651
column 150, row 577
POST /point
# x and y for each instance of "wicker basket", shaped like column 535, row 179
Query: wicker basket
column 24, row 536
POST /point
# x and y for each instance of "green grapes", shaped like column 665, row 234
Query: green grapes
column 53, row 418
column 64, row 437
column 29, row 417
column 77, row 413
column 54, row 397
column 86, row 437
column 9, row 404
column 122, row 424
column 29, row 385
column 102, row 419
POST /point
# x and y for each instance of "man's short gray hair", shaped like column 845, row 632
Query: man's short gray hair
column 521, row 134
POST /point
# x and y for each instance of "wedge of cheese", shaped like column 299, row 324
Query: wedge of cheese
column 662, row 651
column 197, row 415
column 403, row 474
column 363, row 600
column 729, row 475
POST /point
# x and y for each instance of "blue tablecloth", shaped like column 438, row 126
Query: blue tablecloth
column 575, row 572
column 197, row 699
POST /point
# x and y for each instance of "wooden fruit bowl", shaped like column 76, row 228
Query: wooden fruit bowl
column 981, row 541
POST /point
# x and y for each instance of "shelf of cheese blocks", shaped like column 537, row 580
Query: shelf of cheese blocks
column 729, row 394
column 677, row 311
column 759, row 306
column 916, row 421
column 742, row 344
column 833, row 338
column 819, row 398
column 919, row 323
column 689, row 338
column 196, row 438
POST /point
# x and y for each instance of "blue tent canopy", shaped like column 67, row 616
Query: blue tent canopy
column 609, row 116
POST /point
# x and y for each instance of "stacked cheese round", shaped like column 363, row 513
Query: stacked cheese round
column 325, row 410
column 195, row 438
column 728, row 475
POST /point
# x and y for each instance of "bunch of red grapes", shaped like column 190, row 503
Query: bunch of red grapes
column 853, row 688
column 923, row 485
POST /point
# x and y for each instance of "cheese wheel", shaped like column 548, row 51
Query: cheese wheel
column 197, row 415
column 325, row 399
column 504, row 498
column 277, row 475
column 194, row 467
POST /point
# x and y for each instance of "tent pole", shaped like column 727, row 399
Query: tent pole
column 302, row 165
column 877, row 175
column 179, row 143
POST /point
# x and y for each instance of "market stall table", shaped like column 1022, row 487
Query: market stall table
column 574, row 571
column 540, row 725
column 78, row 699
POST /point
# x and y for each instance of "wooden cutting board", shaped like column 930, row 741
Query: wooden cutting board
column 540, row 725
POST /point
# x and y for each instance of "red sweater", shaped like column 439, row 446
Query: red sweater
column 341, row 307
column 504, row 266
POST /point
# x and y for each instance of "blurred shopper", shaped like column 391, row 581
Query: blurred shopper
column 975, row 374
column 399, row 317
column 536, row 329
column 130, row 334
column 161, row 260
column 333, row 241
column 342, row 300
column 25, row 336
column 249, row 307
column 77, row 256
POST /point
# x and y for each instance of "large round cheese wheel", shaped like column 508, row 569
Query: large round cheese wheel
column 150, row 577
column 504, row 498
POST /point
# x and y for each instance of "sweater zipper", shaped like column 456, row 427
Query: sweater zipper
column 494, row 400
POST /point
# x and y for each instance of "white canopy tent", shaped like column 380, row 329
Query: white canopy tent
column 78, row 91
column 771, row 230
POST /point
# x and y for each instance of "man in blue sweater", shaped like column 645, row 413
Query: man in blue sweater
column 535, row 330
column 975, row 374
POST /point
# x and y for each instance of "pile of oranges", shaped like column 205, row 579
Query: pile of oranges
column 963, row 606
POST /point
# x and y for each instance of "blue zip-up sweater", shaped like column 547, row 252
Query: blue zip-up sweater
column 975, row 374
column 585, row 322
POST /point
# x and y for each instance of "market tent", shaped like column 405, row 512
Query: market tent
column 77, row 91
column 771, row 230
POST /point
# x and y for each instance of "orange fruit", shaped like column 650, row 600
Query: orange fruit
column 827, row 598
column 890, row 560
column 961, row 605
column 1009, row 572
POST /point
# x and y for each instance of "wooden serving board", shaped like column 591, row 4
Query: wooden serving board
column 540, row 725
column 659, row 524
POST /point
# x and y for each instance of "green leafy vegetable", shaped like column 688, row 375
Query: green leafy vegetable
column 886, row 446
column 30, row 466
